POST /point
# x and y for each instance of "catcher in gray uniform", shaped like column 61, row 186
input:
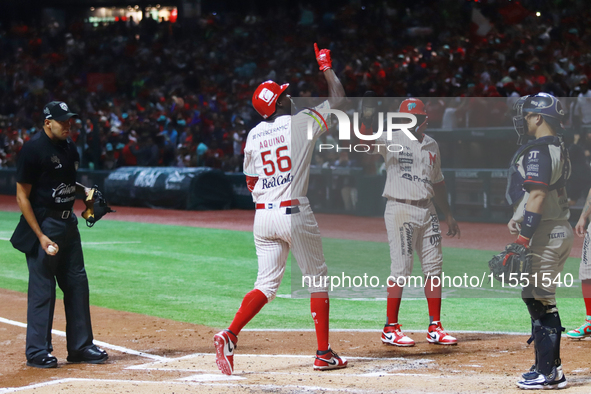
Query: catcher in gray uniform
column 536, row 190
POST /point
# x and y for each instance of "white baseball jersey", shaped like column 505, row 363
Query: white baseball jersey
column 279, row 152
column 411, row 172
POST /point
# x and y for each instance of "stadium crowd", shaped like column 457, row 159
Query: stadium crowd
column 179, row 94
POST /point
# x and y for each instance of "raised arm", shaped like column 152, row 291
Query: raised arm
column 336, row 92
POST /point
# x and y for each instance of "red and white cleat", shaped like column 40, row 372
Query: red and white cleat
column 328, row 360
column 438, row 336
column 393, row 336
column 224, row 351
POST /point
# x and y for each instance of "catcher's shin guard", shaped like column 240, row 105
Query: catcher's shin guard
column 547, row 332
column 532, row 373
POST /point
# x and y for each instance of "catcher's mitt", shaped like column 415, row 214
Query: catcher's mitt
column 515, row 259
column 95, row 210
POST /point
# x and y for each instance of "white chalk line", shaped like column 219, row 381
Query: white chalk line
column 99, row 343
column 154, row 365
column 207, row 372
column 183, row 383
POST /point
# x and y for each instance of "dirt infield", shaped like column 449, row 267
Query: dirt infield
column 178, row 357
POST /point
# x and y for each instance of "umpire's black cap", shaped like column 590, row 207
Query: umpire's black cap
column 57, row 110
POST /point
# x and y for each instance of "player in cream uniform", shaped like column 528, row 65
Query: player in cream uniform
column 277, row 159
column 414, row 177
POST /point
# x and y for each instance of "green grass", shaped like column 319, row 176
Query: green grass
column 200, row 276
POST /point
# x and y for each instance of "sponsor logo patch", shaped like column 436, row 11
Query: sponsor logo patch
column 266, row 95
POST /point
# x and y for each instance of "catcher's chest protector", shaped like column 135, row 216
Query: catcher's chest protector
column 515, row 191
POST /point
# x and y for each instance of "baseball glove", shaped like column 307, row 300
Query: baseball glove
column 96, row 207
column 516, row 258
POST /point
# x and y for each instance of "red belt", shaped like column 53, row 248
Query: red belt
column 271, row 205
column 415, row 203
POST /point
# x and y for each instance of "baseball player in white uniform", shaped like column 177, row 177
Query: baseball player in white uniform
column 277, row 159
column 413, row 179
column 584, row 271
column 536, row 191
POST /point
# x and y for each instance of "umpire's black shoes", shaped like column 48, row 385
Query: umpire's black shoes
column 42, row 361
column 91, row 355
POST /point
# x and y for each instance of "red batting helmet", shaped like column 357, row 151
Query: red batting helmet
column 264, row 99
column 416, row 107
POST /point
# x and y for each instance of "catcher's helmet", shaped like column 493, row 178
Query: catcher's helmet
column 542, row 103
column 416, row 107
column 264, row 99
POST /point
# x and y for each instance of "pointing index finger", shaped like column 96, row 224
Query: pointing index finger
column 316, row 50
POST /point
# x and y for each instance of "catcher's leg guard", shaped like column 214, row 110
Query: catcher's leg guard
column 552, row 328
column 532, row 373
column 547, row 331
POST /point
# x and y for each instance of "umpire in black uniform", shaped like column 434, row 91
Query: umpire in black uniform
column 48, row 234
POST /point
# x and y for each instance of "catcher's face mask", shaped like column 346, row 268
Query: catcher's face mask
column 519, row 121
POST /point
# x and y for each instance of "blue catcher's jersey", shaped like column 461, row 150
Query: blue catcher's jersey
column 540, row 162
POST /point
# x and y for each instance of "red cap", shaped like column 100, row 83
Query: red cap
column 265, row 97
column 412, row 106
column 416, row 107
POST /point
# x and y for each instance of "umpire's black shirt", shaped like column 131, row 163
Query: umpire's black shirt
column 50, row 167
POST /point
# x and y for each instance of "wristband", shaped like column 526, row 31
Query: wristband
column 521, row 240
column 530, row 223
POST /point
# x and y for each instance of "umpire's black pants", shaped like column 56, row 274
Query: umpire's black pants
column 67, row 266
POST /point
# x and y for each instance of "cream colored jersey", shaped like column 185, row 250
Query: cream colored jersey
column 411, row 172
column 279, row 152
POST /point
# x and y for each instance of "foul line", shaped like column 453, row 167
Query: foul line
column 189, row 356
column 99, row 343
column 184, row 383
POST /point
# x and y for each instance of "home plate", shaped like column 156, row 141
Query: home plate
column 207, row 377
